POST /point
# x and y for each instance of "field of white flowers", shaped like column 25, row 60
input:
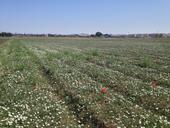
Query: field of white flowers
column 81, row 83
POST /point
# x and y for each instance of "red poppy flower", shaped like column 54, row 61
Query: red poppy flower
column 103, row 90
column 154, row 83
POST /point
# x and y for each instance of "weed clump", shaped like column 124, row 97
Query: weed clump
column 146, row 63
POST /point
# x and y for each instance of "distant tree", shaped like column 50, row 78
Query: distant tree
column 98, row 34
column 107, row 35
column 5, row 34
column 92, row 35
column 159, row 35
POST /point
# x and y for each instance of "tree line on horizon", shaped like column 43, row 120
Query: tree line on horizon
column 97, row 34
column 6, row 34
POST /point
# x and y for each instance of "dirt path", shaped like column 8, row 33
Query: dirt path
column 81, row 111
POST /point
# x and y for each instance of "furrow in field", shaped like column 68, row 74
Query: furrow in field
column 144, row 74
column 121, row 84
column 140, row 87
column 81, row 111
column 26, row 99
column 135, row 52
column 62, row 70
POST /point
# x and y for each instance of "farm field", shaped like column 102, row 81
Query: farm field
column 59, row 83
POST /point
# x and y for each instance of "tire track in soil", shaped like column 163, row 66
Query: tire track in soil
column 80, row 110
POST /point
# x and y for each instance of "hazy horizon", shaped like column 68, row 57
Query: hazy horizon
column 90, row 16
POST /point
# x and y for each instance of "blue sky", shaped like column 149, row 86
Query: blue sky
column 85, row 16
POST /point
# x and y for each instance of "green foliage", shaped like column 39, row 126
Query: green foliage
column 146, row 63
column 98, row 34
column 95, row 53
column 6, row 34
column 46, row 83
